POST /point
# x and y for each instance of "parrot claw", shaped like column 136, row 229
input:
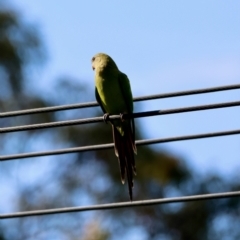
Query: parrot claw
column 122, row 117
column 106, row 117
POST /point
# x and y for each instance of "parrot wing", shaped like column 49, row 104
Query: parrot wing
column 124, row 84
column 125, row 145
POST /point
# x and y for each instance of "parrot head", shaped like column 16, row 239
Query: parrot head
column 102, row 61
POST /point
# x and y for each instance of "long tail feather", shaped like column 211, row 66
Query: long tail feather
column 119, row 151
column 124, row 149
column 132, row 130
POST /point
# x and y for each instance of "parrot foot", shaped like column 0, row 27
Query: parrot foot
column 122, row 117
column 106, row 117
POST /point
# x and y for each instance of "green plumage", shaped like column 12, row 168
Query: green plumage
column 113, row 93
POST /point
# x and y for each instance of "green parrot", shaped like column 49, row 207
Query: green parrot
column 113, row 93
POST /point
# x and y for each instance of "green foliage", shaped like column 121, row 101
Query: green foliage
column 20, row 45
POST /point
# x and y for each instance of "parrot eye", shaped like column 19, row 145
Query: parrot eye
column 93, row 59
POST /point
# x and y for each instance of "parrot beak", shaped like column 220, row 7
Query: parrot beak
column 93, row 68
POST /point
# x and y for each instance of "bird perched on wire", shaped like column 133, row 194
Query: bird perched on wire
column 113, row 93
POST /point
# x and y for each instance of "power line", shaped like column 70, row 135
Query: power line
column 110, row 145
column 114, row 117
column 143, row 98
column 122, row 205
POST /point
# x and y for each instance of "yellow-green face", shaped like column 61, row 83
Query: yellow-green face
column 98, row 59
column 102, row 60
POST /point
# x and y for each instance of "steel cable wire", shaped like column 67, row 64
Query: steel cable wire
column 114, row 117
column 136, row 99
column 110, row 145
column 122, row 205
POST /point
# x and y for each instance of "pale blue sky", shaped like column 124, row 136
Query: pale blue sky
column 162, row 46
